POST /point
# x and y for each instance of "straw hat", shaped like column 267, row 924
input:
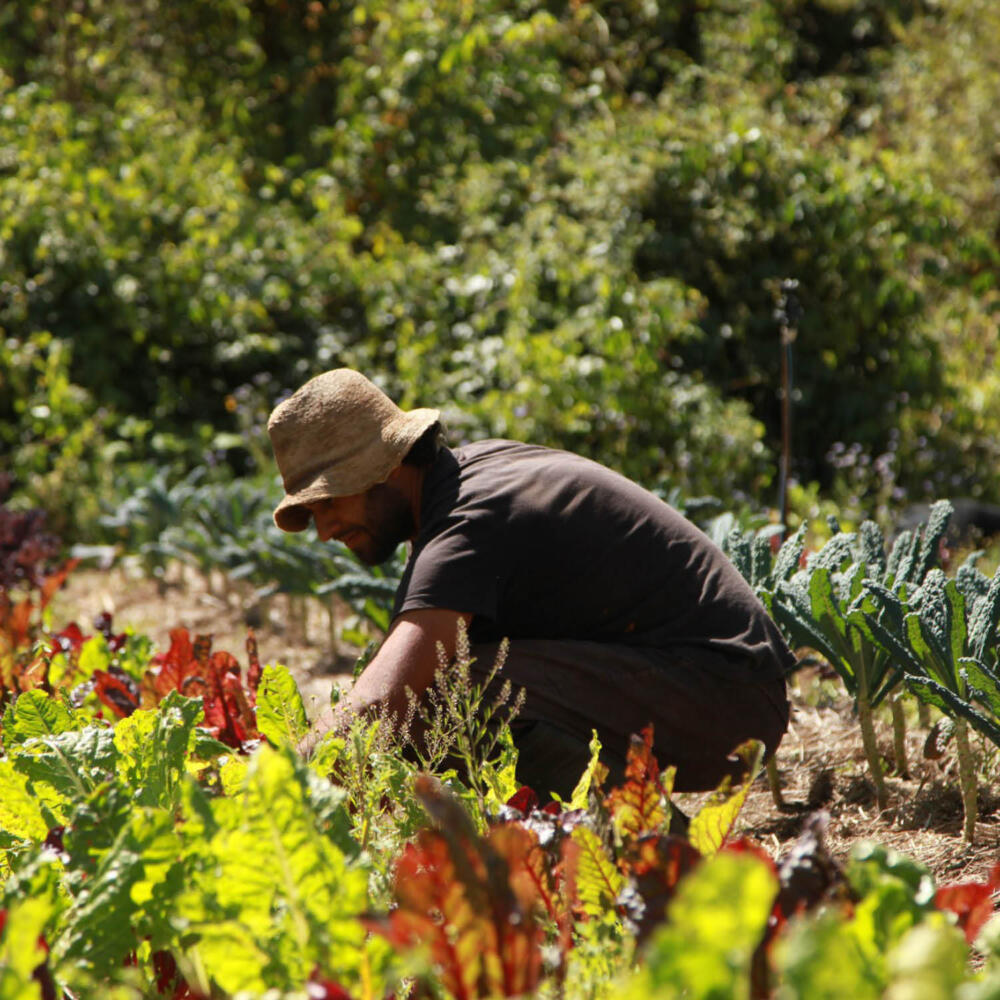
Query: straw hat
column 336, row 436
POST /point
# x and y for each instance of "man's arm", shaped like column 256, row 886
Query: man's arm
column 408, row 658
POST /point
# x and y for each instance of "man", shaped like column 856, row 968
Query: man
column 619, row 612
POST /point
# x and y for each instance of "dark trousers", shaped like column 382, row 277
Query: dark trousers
column 702, row 705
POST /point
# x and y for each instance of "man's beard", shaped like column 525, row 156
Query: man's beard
column 390, row 523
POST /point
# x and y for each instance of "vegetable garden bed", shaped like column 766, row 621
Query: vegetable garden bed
column 821, row 759
column 146, row 855
column 162, row 837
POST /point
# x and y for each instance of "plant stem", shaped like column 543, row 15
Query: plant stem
column 924, row 714
column 774, row 782
column 899, row 734
column 967, row 779
column 871, row 748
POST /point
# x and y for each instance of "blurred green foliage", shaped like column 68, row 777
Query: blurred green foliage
column 561, row 221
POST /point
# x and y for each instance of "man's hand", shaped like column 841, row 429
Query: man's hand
column 327, row 720
column 407, row 659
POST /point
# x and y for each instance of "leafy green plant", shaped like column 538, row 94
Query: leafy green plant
column 145, row 858
column 464, row 721
column 224, row 530
column 947, row 645
column 31, row 571
column 828, row 607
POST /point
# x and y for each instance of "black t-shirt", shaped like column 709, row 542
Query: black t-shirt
column 537, row 543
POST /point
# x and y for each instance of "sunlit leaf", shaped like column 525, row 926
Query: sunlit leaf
column 715, row 819
column 281, row 715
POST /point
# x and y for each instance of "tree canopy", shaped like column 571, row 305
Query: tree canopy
column 561, row 221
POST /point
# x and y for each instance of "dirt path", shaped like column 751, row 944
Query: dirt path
column 820, row 761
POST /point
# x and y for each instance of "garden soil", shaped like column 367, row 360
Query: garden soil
column 820, row 763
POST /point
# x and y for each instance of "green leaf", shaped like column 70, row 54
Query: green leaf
column 885, row 654
column 715, row 819
column 715, row 922
column 35, row 714
column 983, row 621
column 206, row 747
column 581, row 793
column 929, row 691
column 803, row 629
column 153, row 748
column 233, row 774
column 94, row 655
column 72, row 764
column 930, row 961
column 871, row 550
column 982, row 684
column 281, row 716
column 826, row 610
column 789, row 556
column 889, row 641
column 21, row 814
column 598, row 881
column 837, row 953
column 872, row 864
column 33, row 902
column 274, row 895
column 928, row 645
column 930, row 540
column 500, row 774
column 902, row 559
column 819, row 959
column 102, row 926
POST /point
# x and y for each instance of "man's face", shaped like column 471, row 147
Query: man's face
column 371, row 524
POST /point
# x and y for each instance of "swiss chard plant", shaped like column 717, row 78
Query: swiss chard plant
column 31, row 572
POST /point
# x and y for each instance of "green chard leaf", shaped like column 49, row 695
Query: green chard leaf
column 281, row 716
column 21, row 816
column 153, row 748
column 33, row 715
column 126, row 898
column 715, row 819
column 715, row 922
column 273, row 895
column 591, row 777
column 71, row 764
column 33, row 902
column 598, row 881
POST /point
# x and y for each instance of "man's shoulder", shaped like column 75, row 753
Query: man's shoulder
column 492, row 447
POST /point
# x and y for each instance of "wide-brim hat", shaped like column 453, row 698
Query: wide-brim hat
column 337, row 436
